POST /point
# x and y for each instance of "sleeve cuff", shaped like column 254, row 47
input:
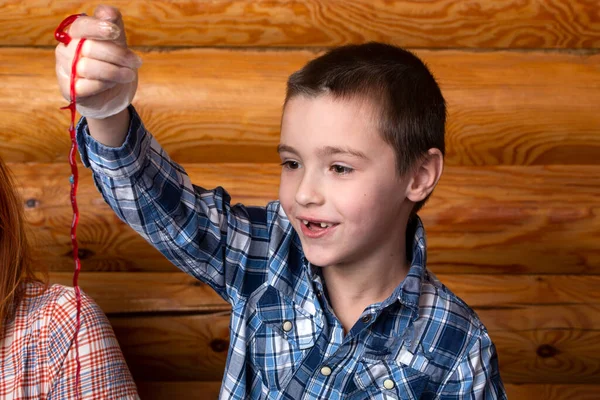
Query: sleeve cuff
column 115, row 162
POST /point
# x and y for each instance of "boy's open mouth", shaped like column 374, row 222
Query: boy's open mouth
column 316, row 225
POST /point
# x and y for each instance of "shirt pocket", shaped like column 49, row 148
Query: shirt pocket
column 387, row 380
column 285, row 335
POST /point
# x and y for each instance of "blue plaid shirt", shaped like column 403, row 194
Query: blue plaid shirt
column 423, row 342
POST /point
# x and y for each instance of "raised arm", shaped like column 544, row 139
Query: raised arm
column 197, row 229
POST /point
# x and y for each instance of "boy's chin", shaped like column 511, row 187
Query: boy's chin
column 321, row 260
column 324, row 254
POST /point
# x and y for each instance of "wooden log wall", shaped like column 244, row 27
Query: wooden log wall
column 513, row 227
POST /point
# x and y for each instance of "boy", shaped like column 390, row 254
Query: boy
column 330, row 294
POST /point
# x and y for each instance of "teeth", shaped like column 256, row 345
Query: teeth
column 321, row 224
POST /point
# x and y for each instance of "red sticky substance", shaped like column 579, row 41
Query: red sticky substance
column 64, row 38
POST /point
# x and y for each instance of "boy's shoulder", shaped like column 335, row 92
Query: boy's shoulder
column 435, row 296
column 447, row 328
column 447, row 342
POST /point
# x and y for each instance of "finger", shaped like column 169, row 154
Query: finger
column 93, row 28
column 111, row 53
column 118, row 65
column 83, row 87
column 66, row 53
column 90, row 87
column 112, row 15
column 64, row 82
column 93, row 69
column 108, row 13
column 99, row 50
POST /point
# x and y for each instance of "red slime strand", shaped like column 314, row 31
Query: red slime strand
column 63, row 37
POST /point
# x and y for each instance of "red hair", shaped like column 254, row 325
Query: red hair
column 16, row 267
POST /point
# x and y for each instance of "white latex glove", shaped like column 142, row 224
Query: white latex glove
column 107, row 69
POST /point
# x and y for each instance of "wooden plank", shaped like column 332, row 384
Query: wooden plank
column 551, row 391
column 135, row 292
column 514, row 220
column 184, row 348
column 505, row 291
column 171, row 348
column 509, row 309
column 283, row 23
column 548, row 356
column 106, row 244
column 178, row 390
column 519, row 303
column 145, row 292
column 210, row 390
column 532, row 317
column 505, row 108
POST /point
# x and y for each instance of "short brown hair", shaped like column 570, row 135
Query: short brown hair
column 412, row 110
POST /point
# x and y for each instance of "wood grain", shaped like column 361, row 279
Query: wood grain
column 548, row 356
column 537, row 317
column 532, row 331
column 549, row 302
column 510, row 290
column 174, row 348
column 195, row 347
column 145, row 292
column 515, row 220
column 210, row 390
column 502, row 301
column 513, row 228
column 282, row 23
column 551, row 391
column 505, row 108
column 178, row 390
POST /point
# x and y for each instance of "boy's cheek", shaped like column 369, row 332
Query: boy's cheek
column 286, row 199
column 287, row 188
column 352, row 195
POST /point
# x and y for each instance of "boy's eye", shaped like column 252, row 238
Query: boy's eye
column 341, row 170
column 290, row 164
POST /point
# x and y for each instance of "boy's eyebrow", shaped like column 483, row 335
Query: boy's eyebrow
column 283, row 147
column 333, row 150
column 326, row 151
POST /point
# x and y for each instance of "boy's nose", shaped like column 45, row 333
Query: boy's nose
column 309, row 191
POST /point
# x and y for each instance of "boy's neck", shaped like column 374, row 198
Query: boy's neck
column 352, row 288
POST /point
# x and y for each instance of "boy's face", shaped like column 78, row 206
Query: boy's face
column 340, row 176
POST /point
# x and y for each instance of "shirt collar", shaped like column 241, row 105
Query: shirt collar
column 408, row 291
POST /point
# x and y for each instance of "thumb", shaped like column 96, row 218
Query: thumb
column 112, row 14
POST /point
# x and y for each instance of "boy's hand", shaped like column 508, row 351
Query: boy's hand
column 107, row 69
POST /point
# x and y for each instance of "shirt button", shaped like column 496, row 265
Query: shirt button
column 287, row 326
column 366, row 319
column 388, row 384
column 326, row 371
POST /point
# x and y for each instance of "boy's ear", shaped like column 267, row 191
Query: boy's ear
column 425, row 175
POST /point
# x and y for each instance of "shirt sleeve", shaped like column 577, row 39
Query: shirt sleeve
column 197, row 229
column 477, row 375
column 104, row 373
